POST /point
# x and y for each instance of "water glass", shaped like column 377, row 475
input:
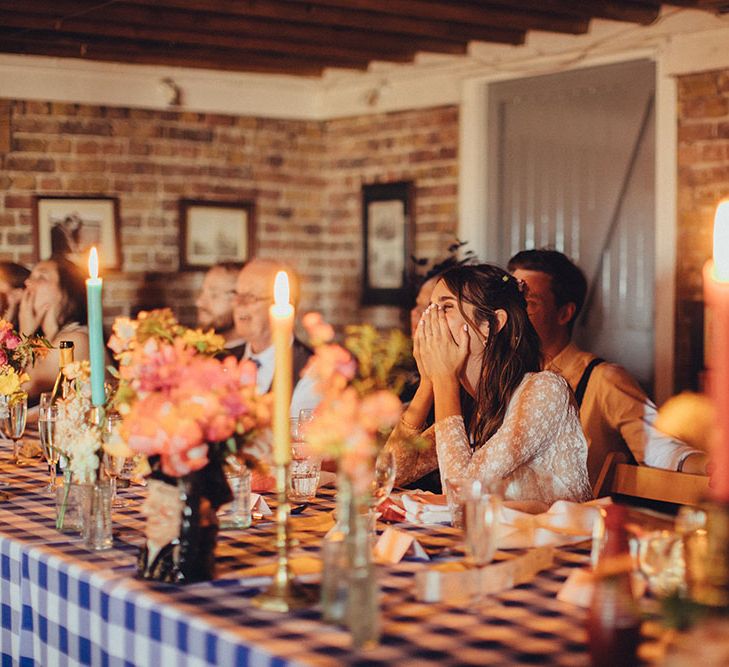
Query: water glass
column 454, row 496
column 304, row 478
column 113, row 465
column 237, row 514
column 481, row 512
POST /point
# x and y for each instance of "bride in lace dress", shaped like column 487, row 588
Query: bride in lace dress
column 524, row 430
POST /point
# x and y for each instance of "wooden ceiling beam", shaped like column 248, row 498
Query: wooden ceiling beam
column 188, row 56
column 80, row 28
column 643, row 12
column 309, row 13
column 479, row 13
column 167, row 19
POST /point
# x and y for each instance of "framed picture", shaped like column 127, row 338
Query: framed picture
column 214, row 232
column 388, row 228
column 71, row 225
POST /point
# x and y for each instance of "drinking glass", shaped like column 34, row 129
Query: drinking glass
column 47, row 419
column 113, row 465
column 13, row 424
column 384, row 477
column 305, row 469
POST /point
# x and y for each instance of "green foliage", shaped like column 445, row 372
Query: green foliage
column 383, row 361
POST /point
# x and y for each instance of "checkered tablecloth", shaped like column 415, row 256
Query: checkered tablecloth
column 61, row 604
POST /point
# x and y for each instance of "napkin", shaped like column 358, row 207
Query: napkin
column 393, row 544
column 259, row 505
column 425, row 507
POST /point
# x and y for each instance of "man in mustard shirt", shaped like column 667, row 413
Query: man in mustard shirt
column 616, row 414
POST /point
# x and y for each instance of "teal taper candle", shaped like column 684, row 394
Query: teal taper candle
column 96, row 332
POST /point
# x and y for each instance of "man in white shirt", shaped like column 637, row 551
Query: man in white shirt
column 253, row 298
column 215, row 304
column 615, row 412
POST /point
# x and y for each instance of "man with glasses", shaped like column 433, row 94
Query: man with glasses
column 252, row 299
column 215, row 305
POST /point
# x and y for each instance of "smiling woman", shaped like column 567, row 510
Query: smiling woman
column 476, row 334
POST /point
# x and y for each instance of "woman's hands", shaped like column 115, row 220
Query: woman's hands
column 28, row 319
column 36, row 312
column 438, row 353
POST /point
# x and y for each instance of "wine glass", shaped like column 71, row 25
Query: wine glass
column 384, row 477
column 13, row 423
column 47, row 419
column 113, row 464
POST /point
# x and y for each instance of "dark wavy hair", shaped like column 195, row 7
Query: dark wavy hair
column 508, row 354
column 72, row 282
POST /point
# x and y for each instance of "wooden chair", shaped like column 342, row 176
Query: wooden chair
column 633, row 481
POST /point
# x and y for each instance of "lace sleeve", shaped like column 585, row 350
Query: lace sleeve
column 411, row 462
column 531, row 420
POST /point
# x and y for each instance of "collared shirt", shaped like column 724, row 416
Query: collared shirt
column 616, row 415
column 304, row 395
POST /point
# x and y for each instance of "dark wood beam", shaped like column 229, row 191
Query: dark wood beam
column 642, row 12
column 185, row 56
column 80, row 28
column 168, row 19
column 310, row 13
column 480, row 13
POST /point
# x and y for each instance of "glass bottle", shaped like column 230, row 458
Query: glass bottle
column 62, row 385
column 614, row 619
column 334, row 557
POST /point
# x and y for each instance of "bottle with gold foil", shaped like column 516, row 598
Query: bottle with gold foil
column 62, row 386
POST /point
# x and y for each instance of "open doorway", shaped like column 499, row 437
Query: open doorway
column 572, row 167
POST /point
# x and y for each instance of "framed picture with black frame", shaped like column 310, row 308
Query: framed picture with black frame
column 388, row 238
column 215, row 231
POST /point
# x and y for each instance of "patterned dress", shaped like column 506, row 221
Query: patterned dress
column 539, row 451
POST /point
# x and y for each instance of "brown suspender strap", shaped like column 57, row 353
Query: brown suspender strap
column 582, row 384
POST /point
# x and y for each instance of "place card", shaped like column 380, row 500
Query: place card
column 259, row 505
column 393, row 544
column 456, row 581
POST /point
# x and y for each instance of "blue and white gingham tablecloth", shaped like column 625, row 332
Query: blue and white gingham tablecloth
column 62, row 604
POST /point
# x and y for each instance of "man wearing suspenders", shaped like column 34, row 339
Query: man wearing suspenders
column 615, row 412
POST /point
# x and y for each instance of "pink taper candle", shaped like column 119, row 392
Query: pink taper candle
column 282, row 326
column 716, row 294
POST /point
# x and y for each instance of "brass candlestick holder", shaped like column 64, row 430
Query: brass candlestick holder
column 707, row 557
column 284, row 594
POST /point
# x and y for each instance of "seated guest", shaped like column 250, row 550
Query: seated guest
column 524, row 430
column 252, row 299
column 12, row 281
column 54, row 305
column 615, row 412
column 215, row 305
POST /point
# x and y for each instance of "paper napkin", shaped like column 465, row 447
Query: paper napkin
column 259, row 505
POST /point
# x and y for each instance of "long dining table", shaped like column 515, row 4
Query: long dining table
column 63, row 604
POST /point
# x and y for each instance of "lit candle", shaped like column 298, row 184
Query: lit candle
column 96, row 333
column 716, row 294
column 282, row 326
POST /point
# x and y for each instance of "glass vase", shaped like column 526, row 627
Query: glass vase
column 69, row 506
column 237, row 514
column 350, row 592
column 97, row 516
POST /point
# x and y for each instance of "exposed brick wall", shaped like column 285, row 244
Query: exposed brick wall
column 305, row 178
column 703, row 180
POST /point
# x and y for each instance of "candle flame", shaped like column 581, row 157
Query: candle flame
column 721, row 241
column 93, row 263
column 281, row 289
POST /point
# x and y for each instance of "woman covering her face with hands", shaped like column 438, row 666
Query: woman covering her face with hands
column 54, row 304
column 525, row 430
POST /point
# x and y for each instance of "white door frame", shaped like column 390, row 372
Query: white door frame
column 474, row 196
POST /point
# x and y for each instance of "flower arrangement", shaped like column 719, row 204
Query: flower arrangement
column 177, row 400
column 359, row 383
column 78, row 440
column 16, row 354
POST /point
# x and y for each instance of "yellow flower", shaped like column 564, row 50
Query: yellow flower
column 203, row 341
column 10, row 382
